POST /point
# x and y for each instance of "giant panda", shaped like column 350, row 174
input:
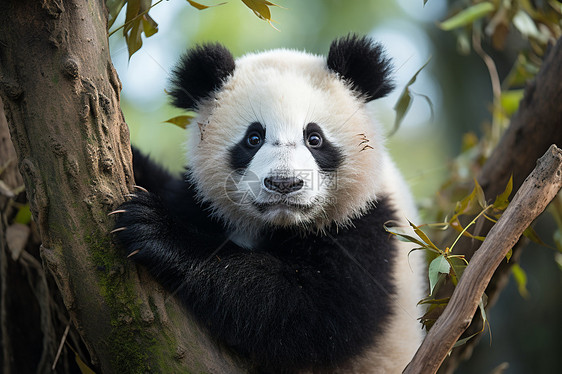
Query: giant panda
column 274, row 237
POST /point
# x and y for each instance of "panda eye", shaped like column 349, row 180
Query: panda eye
column 253, row 139
column 314, row 140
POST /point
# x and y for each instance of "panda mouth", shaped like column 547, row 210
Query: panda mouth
column 282, row 204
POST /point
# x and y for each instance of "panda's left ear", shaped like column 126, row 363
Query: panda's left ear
column 200, row 72
column 362, row 63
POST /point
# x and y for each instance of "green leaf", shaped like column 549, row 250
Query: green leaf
column 401, row 108
column 432, row 314
column 150, row 27
column 84, row 369
column 458, row 264
column 456, row 224
column 475, row 203
column 137, row 22
column 471, row 203
column 429, row 104
column 464, row 45
column 422, row 236
column 502, row 201
column 464, row 340
column 438, row 266
column 431, row 300
column 510, row 101
column 260, row 8
column 133, row 10
column 403, row 236
column 556, row 5
column 405, row 100
column 467, row 16
column 196, row 5
column 521, row 280
column 522, row 71
column 482, row 306
column 532, row 235
column 480, row 195
column 114, row 8
column 526, row 26
column 509, row 254
column 182, row 121
column 134, row 38
column 23, row 215
column 5, row 190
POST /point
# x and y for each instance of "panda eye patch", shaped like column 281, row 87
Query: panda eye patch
column 254, row 139
column 328, row 156
column 314, row 140
column 242, row 153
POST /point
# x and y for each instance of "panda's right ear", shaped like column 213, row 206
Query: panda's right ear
column 200, row 72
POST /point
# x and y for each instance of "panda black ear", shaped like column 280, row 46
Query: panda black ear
column 362, row 63
column 200, row 72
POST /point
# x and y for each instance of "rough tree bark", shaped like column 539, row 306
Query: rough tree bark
column 33, row 318
column 536, row 125
column 61, row 98
column 22, row 280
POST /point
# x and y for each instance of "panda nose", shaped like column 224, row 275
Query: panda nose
column 283, row 185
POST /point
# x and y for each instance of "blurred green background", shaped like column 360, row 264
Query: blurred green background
column 525, row 331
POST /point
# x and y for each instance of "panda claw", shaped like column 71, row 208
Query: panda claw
column 133, row 253
column 117, row 211
column 140, row 188
column 131, row 195
column 118, row 229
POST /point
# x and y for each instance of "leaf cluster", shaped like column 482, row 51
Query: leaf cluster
column 446, row 266
column 536, row 25
column 138, row 21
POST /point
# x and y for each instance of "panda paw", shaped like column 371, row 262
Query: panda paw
column 141, row 222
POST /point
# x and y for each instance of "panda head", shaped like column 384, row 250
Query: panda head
column 283, row 138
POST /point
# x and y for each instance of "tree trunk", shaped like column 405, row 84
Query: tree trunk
column 61, row 98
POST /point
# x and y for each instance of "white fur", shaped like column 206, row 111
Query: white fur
column 285, row 90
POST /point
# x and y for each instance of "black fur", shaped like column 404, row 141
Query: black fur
column 241, row 154
column 149, row 175
column 200, row 72
column 292, row 303
column 361, row 62
column 328, row 156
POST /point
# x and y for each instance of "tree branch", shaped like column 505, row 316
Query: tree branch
column 540, row 187
column 536, row 125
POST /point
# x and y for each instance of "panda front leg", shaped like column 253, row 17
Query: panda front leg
column 285, row 311
column 157, row 239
